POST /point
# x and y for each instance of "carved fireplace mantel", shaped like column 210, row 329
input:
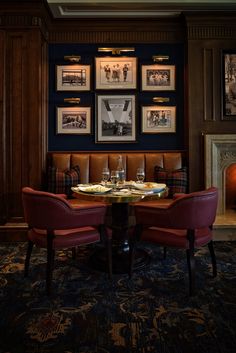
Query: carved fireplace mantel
column 220, row 153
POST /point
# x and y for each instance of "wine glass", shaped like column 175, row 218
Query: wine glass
column 114, row 177
column 140, row 175
column 105, row 175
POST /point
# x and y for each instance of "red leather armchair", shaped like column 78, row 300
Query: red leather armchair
column 185, row 223
column 55, row 224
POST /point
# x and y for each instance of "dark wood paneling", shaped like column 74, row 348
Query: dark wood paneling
column 25, row 142
column 23, row 103
column 3, row 210
column 205, row 87
column 208, row 84
column 13, row 233
column 37, row 114
column 17, row 64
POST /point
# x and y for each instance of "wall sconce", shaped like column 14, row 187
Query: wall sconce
column 160, row 99
column 72, row 100
column 116, row 51
column 157, row 58
column 72, row 58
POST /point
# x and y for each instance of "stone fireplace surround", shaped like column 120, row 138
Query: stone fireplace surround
column 220, row 153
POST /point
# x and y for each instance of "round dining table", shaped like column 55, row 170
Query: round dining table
column 121, row 231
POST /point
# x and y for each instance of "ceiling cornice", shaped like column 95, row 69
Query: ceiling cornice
column 133, row 8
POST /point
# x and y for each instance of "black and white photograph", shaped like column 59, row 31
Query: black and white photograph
column 116, row 73
column 158, row 77
column 73, row 120
column 229, row 87
column 116, row 118
column 158, row 119
column 73, row 77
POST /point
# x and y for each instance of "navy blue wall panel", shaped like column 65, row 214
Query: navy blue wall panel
column 144, row 53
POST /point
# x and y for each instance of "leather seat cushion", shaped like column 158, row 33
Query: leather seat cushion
column 175, row 237
column 77, row 236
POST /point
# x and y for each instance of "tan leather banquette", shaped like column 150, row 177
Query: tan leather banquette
column 91, row 163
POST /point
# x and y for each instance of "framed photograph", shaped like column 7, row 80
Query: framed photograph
column 73, row 77
column 116, row 118
column 73, row 120
column 158, row 77
column 158, row 119
column 116, row 73
column 229, row 86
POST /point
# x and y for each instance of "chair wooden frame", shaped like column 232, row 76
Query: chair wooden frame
column 191, row 216
column 83, row 225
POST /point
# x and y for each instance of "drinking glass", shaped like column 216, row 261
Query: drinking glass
column 114, row 177
column 140, row 175
column 105, row 175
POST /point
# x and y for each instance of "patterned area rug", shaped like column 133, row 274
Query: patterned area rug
column 88, row 313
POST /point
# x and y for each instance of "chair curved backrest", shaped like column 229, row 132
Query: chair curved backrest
column 55, row 224
column 44, row 210
column 189, row 211
column 184, row 223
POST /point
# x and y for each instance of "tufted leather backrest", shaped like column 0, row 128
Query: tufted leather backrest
column 92, row 163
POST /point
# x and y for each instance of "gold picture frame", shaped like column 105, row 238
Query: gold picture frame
column 158, row 77
column 115, row 118
column 73, row 120
column 116, row 73
column 158, row 119
column 73, row 78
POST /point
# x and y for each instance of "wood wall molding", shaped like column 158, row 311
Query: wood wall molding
column 211, row 26
column 112, row 37
column 210, row 32
column 20, row 21
column 117, row 31
column 3, row 176
column 208, row 84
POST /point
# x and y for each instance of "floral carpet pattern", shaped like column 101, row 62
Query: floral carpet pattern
column 88, row 313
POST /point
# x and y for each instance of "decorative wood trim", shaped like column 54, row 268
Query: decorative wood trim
column 13, row 232
column 208, row 84
column 117, row 31
column 112, row 37
column 3, row 178
column 211, row 26
column 16, row 110
column 210, row 32
column 24, row 21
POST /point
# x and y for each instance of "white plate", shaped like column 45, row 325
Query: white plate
column 150, row 186
column 122, row 192
column 94, row 189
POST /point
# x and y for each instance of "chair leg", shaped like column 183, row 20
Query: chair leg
column 27, row 258
column 74, row 251
column 132, row 247
column 191, row 263
column 164, row 252
column 105, row 239
column 50, row 262
column 213, row 258
column 109, row 250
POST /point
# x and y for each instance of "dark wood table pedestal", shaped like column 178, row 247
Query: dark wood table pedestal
column 120, row 244
column 121, row 232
